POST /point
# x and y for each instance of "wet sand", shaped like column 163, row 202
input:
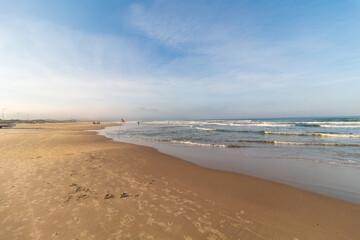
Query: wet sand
column 60, row 182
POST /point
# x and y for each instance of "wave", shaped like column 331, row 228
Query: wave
column 296, row 124
column 202, row 144
column 171, row 123
column 317, row 144
column 325, row 135
column 263, row 124
column 310, row 124
column 329, row 123
column 301, row 143
column 322, row 135
column 337, row 126
column 205, row 129
column 328, row 135
column 228, row 130
column 198, row 144
column 307, row 125
column 341, row 119
column 260, row 142
column 236, row 146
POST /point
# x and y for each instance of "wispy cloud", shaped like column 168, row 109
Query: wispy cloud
column 228, row 49
column 180, row 58
column 42, row 62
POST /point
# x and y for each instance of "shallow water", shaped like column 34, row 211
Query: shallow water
column 316, row 154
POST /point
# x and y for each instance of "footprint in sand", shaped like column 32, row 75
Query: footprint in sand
column 80, row 192
column 108, row 196
column 124, row 195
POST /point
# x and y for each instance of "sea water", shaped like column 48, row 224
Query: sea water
column 316, row 154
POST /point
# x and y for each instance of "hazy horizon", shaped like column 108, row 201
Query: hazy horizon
column 188, row 119
column 166, row 60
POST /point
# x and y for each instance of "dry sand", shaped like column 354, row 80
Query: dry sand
column 60, row 182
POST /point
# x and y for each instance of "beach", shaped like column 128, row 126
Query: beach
column 58, row 181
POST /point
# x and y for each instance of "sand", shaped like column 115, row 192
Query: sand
column 60, row 182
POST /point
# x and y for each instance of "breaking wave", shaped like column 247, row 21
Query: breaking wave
column 326, row 135
column 302, row 143
column 202, row 144
column 307, row 125
column 205, row 129
column 198, row 144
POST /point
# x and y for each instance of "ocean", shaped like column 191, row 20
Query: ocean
column 316, row 154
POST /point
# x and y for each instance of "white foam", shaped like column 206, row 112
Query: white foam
column 319, row 144
column 328, row 135
column 205, row 129
column 339, row 126
column 337, row 135
column 198, row 144
column 264, row 124
column 329, row 123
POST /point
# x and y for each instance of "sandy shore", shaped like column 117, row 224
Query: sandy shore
column 60, row 182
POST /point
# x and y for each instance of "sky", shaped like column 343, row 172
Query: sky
column 164, row 59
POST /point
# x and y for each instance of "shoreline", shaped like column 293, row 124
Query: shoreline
column 167, row 197
column 305, row 174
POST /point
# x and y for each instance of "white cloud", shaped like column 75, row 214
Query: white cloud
column 232, row 50
column 43, row 63
column 181, row 59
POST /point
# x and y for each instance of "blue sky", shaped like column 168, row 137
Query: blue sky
column 179, row 59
